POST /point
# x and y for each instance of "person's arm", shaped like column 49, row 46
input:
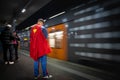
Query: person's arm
column 44, row 30
column 19, row 44
column 18, row 40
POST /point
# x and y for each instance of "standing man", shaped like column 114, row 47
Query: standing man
column 39, row 48
column 6, row 38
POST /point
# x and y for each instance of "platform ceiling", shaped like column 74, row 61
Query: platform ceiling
column 11, row 10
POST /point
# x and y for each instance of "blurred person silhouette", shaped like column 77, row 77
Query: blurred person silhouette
column 39, row 48
column 16, row 44
column 6, row 38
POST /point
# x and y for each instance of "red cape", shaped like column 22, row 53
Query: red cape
column 38, row 43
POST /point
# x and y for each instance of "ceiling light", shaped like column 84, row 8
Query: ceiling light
column 57, row 15
column 23, row 10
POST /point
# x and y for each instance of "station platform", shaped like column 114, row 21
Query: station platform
column 60, row 70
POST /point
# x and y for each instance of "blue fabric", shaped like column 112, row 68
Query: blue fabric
column 43, row 61
column 45, row 32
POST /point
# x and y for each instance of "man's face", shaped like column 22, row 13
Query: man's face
column 14, row 33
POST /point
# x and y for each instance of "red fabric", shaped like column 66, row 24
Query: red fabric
column 38, row 43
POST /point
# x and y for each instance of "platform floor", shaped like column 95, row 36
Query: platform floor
column 61, row 70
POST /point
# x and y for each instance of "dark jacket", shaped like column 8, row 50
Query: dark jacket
column 6, row 36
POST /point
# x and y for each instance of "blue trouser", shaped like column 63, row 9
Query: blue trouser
column 43, row 61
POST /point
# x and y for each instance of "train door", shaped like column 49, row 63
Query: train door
column 58, row 41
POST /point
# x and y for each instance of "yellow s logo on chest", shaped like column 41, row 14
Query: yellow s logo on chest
column 34, row 30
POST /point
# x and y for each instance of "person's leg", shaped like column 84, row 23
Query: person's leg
column 11, row 52
column 44, row 65
column 5, row 49
column 36, row 68
column 16, row 51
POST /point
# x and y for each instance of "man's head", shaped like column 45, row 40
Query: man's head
column 41, row 21
column 14, row 31
column 8, row 26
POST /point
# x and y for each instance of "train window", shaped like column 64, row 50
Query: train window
column 58, row 39
column 52, row 40
column 55, row 39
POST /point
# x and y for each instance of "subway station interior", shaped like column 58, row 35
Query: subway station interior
column 84, row 36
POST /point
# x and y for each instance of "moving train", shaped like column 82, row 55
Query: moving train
column 85, row 33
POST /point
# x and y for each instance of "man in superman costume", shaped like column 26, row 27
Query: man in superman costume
column 39, row 48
